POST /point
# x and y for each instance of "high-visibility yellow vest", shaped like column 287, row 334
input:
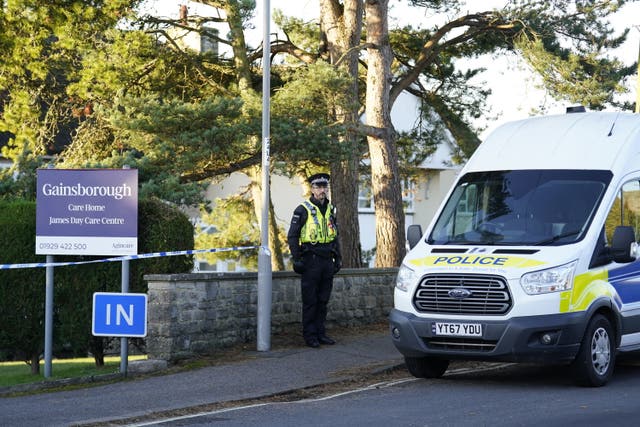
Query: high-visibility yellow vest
column 318, row 228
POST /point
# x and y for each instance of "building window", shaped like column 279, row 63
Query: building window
column 365, row 195
column 408, row 191
column 208, row 40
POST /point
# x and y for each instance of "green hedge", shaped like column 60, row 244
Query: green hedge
column 21, row 290
column 161, row 227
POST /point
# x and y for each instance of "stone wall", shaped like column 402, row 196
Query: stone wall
column 197, row 314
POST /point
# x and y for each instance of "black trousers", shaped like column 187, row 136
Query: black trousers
column 317, row 283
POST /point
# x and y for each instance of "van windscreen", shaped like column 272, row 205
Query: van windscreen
column 522, row 207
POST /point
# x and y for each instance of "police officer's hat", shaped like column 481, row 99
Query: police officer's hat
column 321, row 179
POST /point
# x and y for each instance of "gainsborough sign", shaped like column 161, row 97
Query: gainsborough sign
column 87, row 212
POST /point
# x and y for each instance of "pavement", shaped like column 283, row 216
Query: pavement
column 245, row 376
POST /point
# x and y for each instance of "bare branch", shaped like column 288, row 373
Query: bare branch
column 477, row 23
column 286, row 46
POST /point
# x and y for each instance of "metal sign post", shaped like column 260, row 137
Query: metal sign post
column 48, row 318
column 124, row 343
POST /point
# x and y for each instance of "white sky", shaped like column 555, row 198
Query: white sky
column 515, row 94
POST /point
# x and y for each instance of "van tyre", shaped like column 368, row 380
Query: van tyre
column 596, row 358
column 426, row 367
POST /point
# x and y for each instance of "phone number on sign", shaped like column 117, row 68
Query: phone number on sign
column 63, row 246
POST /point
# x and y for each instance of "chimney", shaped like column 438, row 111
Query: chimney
column 183, row 14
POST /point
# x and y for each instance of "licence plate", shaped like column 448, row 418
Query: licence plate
column 457, row 329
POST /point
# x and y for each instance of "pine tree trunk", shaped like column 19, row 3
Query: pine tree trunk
column 275, row 244
column 35, row 363
column 385, row 177
column 96, row 346
column 341, row 25
column 275, row 247
column 344, row 193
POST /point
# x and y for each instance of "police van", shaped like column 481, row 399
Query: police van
column 532, row 255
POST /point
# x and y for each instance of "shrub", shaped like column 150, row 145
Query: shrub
column 161, row 227
column 22, row 291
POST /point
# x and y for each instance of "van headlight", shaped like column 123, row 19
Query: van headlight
column 550, row 280
column 406, row 277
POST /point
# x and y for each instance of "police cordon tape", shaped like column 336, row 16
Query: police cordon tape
column 127, row 257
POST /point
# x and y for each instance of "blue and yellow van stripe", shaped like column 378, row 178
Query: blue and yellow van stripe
column 621, row 285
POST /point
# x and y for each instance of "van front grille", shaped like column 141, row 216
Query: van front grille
column 472, row 294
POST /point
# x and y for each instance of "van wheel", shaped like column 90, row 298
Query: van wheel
column 426, row 367
column 596, row 358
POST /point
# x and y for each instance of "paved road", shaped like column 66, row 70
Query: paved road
column 513, row 395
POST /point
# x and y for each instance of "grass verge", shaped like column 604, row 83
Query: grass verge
column 15, row 373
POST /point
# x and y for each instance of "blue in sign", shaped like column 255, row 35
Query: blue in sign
column 119, row 315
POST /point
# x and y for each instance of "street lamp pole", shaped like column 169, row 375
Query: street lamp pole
column 264, row 255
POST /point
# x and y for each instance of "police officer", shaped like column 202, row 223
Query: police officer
column 313, row 242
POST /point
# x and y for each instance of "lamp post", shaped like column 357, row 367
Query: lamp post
column 264, row 255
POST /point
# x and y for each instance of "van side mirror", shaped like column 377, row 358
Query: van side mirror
column 623, row 244
column 414, row 233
